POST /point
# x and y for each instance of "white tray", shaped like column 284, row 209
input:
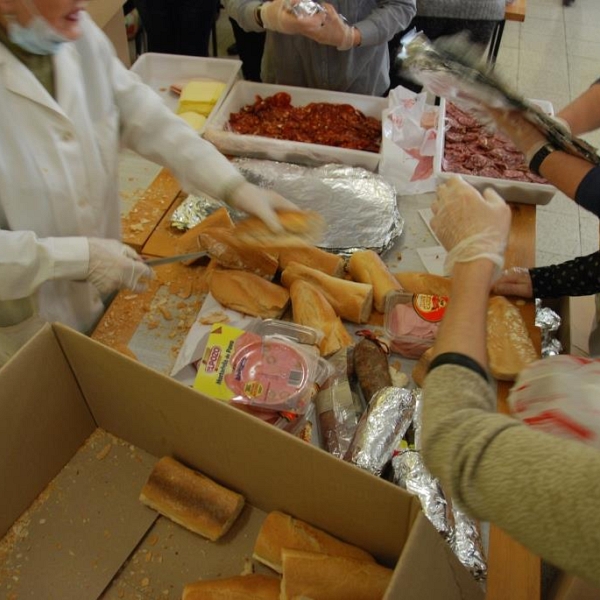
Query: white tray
column 244, row 93
column 159, row 71
column 512, row 191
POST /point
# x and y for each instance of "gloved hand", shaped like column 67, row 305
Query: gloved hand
column 335, row 31
column 260, row 202
column 470, row 226
column 514, row 282
column 115, row 266
column 277, row 16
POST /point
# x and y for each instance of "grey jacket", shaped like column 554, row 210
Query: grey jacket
column 297, row 60
column 481, row 10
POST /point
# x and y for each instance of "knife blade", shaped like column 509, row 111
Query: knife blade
column 154, row 262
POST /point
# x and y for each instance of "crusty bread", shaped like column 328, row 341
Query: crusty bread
column 300, row 227
column 311, row 308
column 424, row 283
column 313, row 257
column 421, row 368
column 280, row 531
column 189, row 242
column 321, row 577
column 351, row 300
column 366, row 266
column 222, row 245
column 191, row 499
column 509, row 345
column 242, row 587
column 248, row 293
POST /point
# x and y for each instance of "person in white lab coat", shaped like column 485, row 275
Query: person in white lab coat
column 66, row 103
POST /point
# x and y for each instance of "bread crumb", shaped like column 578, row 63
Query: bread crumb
column 145, row 582
column 104, row 452
column 152, row 539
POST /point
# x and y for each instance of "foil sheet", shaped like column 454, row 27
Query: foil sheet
column 549, row 322
column 304, row 8
column 467, row 544
column 410, row 473
column 380, row 429
column 359, row 207
column 195, row 209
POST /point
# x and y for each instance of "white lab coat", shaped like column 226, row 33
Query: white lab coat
column 58, row 169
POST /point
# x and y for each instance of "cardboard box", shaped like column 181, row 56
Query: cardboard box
column 567, row 587
column 87, row 535
column 244, row 93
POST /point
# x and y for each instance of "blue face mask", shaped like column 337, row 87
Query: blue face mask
column 37, row 37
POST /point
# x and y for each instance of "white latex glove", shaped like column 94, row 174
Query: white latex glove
column 470, row 226
column 514, row 282
column 116, row 266
column 260, row 202
column 335, row 31
column 277, row 16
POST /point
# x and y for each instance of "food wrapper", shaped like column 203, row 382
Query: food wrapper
column 450, row 67
column 467, row 544
column 194, row 209
column 304, row 8
column 549, row 322
column 380, row 429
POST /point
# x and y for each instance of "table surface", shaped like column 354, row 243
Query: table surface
column 515, row 11
column 152, row 326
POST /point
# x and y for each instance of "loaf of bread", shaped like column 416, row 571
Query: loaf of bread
column 321, row 577
column 222, row 245
column 351, row 300
column 311, row 308
column 281, row 531
column 366, row 266
column 311, row 256
column 300, row 228
column 424, row 283
column 242, row 587
column 189, row 241
column 509, row 345
column 421, row 368
column 191, row 499
column 248, row 293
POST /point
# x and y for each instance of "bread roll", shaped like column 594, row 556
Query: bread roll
column 366, row 266
column 227, row 250
column 424, row 283
column 189, row 241
column 321, row 577
column 313, row 257
column 191, row 499
column 248, row 293
column 351, row 300
column 311, row 308
column 280, row 531
column 300, row 227
column 422, row 367
column 509, row 345
column 242, row 587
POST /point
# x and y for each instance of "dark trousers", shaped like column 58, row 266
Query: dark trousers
column 178, row 26
column 250, row 45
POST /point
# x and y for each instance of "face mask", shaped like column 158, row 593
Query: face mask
column 37, row 37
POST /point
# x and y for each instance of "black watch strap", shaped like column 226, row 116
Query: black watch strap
column 539, row 157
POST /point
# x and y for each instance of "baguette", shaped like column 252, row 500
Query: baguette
column 189, row 242
column 424, row 283
column 222, row 245
column 366, row 266
column 280, row 531
column 351, row 300
column 421, row 368
column 300, row 227
column 191, row 499
column 311, row 308
column 509, row 345
column 322, row 577
column 241, row 587
column 248, row 293
column 314, row 257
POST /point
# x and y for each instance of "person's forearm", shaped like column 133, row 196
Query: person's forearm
column 464, row 325
column 565, row 171
column 583, row 114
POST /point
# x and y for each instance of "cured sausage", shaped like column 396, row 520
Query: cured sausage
column 371, row 368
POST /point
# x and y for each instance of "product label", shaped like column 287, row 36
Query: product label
column 429, row 307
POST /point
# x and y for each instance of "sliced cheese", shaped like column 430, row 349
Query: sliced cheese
column 200, row 96
column 193, row 119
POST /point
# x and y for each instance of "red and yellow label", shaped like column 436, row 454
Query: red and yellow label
column 429, row 307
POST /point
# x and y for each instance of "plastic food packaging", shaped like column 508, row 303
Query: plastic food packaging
column 411, row 322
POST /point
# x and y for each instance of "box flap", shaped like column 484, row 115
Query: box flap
column 429, row 569
column 37, row 437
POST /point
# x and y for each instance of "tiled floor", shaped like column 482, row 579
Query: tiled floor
column 553, row 55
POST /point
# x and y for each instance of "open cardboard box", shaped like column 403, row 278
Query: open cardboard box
column 81, row 427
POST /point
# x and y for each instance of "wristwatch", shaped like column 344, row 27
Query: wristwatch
column 539, row 157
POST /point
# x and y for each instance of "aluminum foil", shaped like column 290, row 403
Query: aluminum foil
column 549, row 322
column 359, row 206
column 195, row 209
column 467, row 545
column 381, row 428
column 304, row 8
column 411, row 474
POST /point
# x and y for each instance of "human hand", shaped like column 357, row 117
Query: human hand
column 470, row 226
column 260, row 202
column 523, row 134
column 115, row 266
column 515, row 281
column 277, row 16
column 335, row 31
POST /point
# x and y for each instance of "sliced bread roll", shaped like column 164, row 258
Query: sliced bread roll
column 242, row 587
column 311, row 256
column 281, row 531
column 191, row 499
column 322, row 577
column 424, row 283
column 189, row 241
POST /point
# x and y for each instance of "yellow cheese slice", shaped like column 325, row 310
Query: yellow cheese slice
column 200, row 96
column 193, row 119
